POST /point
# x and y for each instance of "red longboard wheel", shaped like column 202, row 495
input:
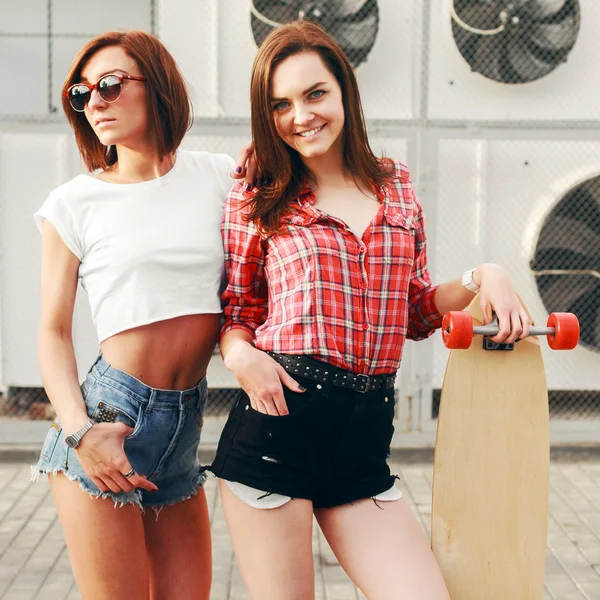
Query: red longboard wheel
column 566, row 331
column 457, row 330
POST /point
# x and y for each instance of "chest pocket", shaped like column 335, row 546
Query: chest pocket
column 405, row 220
column 399, row 233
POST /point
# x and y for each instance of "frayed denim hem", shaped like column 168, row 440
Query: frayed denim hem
column 197, row 483
column 36, row 471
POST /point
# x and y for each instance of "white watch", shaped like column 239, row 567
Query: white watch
column 468, row 281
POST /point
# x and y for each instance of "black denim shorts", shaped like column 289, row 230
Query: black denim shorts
column 332, row 448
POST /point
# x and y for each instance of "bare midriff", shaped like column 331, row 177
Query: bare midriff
column 171, row 355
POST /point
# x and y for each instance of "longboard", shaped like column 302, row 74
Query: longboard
column 491, row 471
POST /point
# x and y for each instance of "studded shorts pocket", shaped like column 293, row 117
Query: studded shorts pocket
column 106, row 404
column 105, row 413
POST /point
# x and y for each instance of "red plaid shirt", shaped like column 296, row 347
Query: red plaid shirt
column 318, row 289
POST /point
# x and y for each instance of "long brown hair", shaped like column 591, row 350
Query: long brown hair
column 169, row 106
column 281, row 167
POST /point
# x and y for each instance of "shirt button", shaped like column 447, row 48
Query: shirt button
column 365, row 326
column 362, row 249
column 366, row 362
column 363, row 286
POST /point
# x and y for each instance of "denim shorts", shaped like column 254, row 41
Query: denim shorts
column 331, row 448
column 163, row 445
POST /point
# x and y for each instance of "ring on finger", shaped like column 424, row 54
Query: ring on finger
column 129, row 473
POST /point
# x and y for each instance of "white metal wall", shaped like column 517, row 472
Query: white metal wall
column 497, row 193
column 466, row 139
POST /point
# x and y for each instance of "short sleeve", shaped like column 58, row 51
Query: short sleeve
column 56, row 210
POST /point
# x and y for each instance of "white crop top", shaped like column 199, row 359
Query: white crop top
column 148, row 251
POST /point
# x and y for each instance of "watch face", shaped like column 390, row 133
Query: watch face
column 70, row 441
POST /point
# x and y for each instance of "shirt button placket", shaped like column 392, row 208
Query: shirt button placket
column 362, row 250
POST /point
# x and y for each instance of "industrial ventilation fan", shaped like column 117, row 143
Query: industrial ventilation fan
column 515, row 41
column 566, row 263
column 353, row 23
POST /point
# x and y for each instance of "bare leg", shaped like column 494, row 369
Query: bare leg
column 383, row 550
column 273, row 547
column 179, row 550
column 106, row 544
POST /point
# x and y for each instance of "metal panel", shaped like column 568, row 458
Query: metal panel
column 567, row 93
column 493, row 195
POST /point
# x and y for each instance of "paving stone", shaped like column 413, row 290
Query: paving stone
column 34, row 562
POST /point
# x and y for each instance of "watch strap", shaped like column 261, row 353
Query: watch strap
column 74, row 439
column 468, row 281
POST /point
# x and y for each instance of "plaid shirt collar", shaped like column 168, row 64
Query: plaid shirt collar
column 396, row 210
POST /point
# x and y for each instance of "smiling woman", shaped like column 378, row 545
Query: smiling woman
column 327, row 277
column 311, row 120
column 313, row 106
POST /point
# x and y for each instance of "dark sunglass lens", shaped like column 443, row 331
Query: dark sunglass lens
column 79, row 96
column 109, row 88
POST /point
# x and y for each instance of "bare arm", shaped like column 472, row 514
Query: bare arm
column 101, row 451
column 55, row 345
column 451, row 295
column 229, row 341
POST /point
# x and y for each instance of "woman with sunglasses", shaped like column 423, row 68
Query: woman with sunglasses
column 327, row 277
column 142, row 233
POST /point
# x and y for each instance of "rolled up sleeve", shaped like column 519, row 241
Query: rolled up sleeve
column 245, row 297
column 423, row 316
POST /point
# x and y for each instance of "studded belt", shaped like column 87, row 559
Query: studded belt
column 324, row 373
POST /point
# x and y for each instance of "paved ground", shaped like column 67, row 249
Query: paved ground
column 34, row 562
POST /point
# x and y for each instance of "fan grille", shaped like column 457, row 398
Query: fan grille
column 516, row 41
column 566, row 263
column 353, row 23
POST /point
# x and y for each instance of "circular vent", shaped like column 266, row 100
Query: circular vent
column 566, row 263
column 515, row 41
column 353, row 23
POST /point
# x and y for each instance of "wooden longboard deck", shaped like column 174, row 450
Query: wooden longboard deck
column 491, row 472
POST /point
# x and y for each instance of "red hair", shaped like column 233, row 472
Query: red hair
column 281, row 166
column 168, row 101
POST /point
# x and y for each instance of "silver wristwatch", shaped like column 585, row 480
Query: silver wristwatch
column 73, row 440
column 468, row 281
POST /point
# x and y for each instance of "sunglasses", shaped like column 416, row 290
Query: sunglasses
column 109, row 89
